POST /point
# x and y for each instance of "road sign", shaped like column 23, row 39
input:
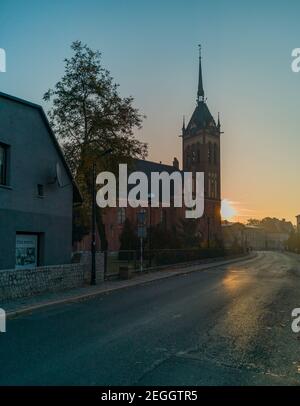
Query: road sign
column 142, row 232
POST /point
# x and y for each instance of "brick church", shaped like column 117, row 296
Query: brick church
column 200, row 153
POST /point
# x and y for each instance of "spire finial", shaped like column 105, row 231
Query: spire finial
column 200, row 93
column 219, row 125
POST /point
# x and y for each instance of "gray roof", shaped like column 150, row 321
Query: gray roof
column 200, row 119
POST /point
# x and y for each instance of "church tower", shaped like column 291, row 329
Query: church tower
column 201, row 153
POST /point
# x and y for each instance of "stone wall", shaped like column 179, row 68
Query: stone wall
column 18, row 283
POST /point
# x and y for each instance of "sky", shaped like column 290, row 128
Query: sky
column 150, row 48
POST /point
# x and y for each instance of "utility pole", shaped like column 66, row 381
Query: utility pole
column 208, row 232
column 93, row 246
column 93, row 243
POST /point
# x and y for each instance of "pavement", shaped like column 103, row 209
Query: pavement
column 28, row 304
column 229, row 324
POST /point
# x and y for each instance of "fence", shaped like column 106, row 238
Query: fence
column 158, row 258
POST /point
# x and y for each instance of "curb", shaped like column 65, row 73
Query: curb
column 90, row 295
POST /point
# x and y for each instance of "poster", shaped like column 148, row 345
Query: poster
column 26, row 251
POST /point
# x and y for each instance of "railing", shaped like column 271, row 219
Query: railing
column 156, row 258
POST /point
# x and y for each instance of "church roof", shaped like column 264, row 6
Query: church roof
column 200, row 119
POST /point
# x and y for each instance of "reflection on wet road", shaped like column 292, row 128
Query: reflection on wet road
column 225, row 326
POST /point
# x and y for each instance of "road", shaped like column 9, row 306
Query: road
column 228, row 325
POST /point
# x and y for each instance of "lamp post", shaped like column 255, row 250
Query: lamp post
column 208, row 232
column 93, row 243
column 150, row 196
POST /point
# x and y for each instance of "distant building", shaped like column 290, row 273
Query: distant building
column 269, row 234
column 298, row 223
column 233, row 234
column 37, row 191
column 255, row 238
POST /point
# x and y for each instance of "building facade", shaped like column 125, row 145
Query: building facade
column 37, row 190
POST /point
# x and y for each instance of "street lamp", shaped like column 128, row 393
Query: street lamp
column 208, row 230
column 150, row 197
column 93, row 243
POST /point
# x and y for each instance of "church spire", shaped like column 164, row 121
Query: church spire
column 200, row 93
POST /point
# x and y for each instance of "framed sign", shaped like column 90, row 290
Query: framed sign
column 26, row 251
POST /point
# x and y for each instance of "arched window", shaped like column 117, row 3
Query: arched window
column 121, row 215
column 216, row 186
column 198, row 153
column 194, row 153
column 215, row 154
column 187, row 156
column 209, row 153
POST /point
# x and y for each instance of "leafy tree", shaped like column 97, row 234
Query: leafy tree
column 89, row 116
column 293, row 242
column 253, row 222
column 188, row 234
column 162, row 238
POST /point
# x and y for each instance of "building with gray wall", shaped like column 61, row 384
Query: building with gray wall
column 37, row 191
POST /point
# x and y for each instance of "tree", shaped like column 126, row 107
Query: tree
column 293, row 242
column 89, row 116
column 253, row 222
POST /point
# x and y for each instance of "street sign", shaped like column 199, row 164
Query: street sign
column 142, row 232
column 141, row 217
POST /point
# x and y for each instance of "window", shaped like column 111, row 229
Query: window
column 209, row 153
column 193, row 153
column 187, row 156
column 198, row 153
column 40, row 190
column 215, row 154
column 121, row 215
column 3, row 164
column 163, row 217
column 213, row 185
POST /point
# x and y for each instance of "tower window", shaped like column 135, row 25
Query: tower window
column 215, row 154
column 193, row 154
column 121, row 215
column 209, row 153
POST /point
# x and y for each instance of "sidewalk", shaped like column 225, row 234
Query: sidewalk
column 28, row 304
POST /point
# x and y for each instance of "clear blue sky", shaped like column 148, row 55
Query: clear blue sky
column 150, row 47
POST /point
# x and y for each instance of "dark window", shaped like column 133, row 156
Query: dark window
column 209, row 152
column 40, row 190
column 3, row 164
column 215, row 154
column 121, row 215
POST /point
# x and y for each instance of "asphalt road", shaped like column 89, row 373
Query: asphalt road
column 229, row 325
